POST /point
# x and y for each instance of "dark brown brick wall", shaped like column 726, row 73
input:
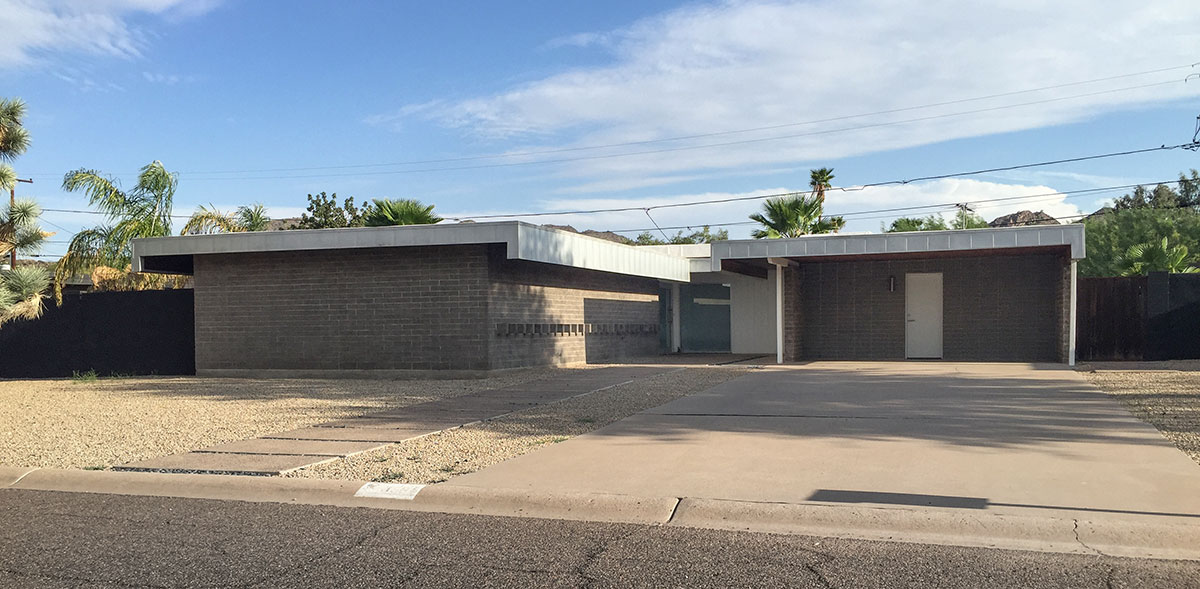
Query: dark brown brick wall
column 793, row 314
column 615, row 315
column 420, row 308
column 995, row 308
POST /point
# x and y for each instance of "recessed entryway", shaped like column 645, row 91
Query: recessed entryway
column 923, row 315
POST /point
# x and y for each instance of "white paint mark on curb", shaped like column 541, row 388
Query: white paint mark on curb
column 402, row 491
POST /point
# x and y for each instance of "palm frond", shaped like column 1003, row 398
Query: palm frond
column 101, row 192
column 99, row 246
column 403, row 211
column 210, row 220
column 253, row 217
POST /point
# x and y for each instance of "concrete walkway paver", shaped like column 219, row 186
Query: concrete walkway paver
column 287, row 451
column 979, row 438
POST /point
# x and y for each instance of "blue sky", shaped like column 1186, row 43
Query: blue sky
column 268, row 101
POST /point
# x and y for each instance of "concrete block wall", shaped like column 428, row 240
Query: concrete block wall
column 402, row 309
column 995, row 308
column 592, row 316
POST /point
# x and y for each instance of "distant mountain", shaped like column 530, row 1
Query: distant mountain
column 1022, row 218
column 605, row 235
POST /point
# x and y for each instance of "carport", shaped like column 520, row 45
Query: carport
column 1003, row 294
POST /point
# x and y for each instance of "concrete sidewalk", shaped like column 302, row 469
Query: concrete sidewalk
column 999, row 439
column 288, row 451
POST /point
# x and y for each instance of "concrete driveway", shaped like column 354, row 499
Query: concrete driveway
column 981, row 438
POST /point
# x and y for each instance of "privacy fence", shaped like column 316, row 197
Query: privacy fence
column 149, row 332
column 1155, row 317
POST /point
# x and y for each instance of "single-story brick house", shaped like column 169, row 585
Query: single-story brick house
column 455, row 299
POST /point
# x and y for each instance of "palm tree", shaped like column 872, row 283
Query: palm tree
column 819, row 181
column 403, row 211
column 22, row 290
column 144, row 211
column 19, row 230
column 210, row 220
column 794, row 216
column 1156, row 256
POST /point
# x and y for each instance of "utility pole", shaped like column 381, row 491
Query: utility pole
column 12, row 203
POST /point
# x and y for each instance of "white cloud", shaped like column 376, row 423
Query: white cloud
column 35, row 29
column 169, row 79
column 939, row 192
column 746, row 64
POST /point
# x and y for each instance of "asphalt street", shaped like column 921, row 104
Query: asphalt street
column 52, row 539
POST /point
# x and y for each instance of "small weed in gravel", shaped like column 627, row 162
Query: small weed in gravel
column 95, row 467
column 89, row 376
column 390, row 477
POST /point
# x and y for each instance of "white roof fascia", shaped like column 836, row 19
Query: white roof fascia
column 914, row 242
column 522, row 240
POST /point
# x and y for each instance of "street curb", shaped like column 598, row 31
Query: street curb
column 10, row 475
column 1179, row 540
column 447, row 498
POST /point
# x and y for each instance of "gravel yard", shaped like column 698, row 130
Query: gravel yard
column 65, row 423
column 1167, row 399
column 438, row 457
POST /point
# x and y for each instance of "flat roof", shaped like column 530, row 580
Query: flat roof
column 523, row 241
column 905, row 243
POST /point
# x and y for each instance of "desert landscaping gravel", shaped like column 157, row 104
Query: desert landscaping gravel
column 438, row 457
column 64, row 423
column 1167, row 399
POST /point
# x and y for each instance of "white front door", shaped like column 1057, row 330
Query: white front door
column 923, row 315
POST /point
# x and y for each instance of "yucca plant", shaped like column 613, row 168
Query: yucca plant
column 19, row 229
column 22, row 290
column 210, row 220
column 1156, row 256
column 794, row 216
column 403, row 211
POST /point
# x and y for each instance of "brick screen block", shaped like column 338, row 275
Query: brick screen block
column 618, row 313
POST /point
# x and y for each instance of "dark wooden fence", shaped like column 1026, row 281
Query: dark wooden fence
column 1154, row 317
column 150, row 332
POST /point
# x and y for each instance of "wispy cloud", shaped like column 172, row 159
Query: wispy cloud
column 748, row 64
column 978, row 194
column 35, row 30
column 169, row 79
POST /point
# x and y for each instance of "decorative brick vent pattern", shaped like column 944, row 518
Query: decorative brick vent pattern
column 541, row 329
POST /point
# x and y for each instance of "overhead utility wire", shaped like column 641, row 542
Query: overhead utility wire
column 704, row 135
column 686, row 147
column 929, row 208
column 842, row 189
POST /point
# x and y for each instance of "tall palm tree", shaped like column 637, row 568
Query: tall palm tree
column 403, row 211
column 210, row 220
column 819, row 181
column 143, row 211
column 1155, row 256
column 794, row 216
column 22, row 290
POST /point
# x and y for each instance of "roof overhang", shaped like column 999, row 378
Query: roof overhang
column 1067, row 239
column 523, row 241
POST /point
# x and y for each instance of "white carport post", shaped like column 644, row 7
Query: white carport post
column 780, row 264
column 1071, row 319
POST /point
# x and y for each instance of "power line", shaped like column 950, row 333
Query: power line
column 843, row 189
column 929, row 208
column 705, row 135
column 686, row 147
column 213, row 175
